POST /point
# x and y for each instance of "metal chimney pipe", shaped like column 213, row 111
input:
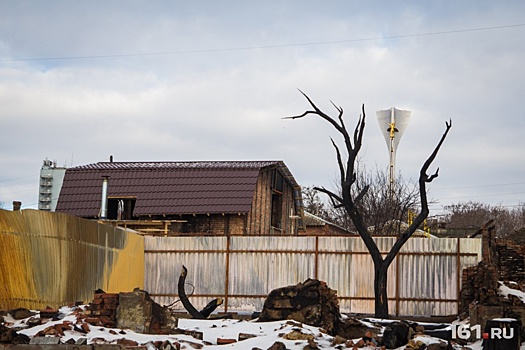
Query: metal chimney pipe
column 17, row 205
column 104, row 202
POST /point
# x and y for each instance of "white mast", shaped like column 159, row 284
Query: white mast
column 393, row 123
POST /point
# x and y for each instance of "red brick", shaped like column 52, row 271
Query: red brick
column 97, row 301
column 127, row 342
column 113, row 302
column 109, row 295
column 92, row 320
column 107, row 322
column 58, row 330
column 48, row 313
column 194, row 334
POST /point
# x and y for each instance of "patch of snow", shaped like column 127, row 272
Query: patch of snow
column 427, row 340
column 504, row 319
column 30, row 332
column 506, row 291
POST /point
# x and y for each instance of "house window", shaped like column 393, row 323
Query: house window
column 121, row 208
column 277, row 204
column 277, row 181
column 277, row 198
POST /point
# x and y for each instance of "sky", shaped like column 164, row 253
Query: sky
column 209, row 80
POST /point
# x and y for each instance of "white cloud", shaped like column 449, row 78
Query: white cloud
column 229, row 104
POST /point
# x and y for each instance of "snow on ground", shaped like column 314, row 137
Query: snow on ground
column 506, row 291
column 265, row 334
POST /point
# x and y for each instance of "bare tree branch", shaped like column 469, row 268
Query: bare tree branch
column 319, row 113
column 361, row 194
column 329, row 193
column 433, row 176
column 339, row 161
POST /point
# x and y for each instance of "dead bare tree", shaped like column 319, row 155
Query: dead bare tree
column 350, row 201
column 472, row 215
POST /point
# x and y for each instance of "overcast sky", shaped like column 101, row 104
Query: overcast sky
column 211, row 80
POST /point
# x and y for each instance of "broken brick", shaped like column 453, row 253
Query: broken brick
column 97, row 301
column 106, row 312
column 92, row 320
column 48, row 313
column 85, row 327
column 127, row 342
column 194, row 334
column 109, row 295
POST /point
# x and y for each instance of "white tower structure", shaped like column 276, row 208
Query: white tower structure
column 51, row 178
column 393, row 123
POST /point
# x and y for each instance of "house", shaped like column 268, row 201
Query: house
column 214, row 197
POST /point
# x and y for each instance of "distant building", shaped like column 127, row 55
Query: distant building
column 51, row 178
column 318, row 226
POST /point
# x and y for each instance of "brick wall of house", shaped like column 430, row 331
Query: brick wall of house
column 325, row 230
column 213, row 224
column 260, row 216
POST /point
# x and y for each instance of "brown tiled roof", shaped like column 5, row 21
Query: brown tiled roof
column 166, row 187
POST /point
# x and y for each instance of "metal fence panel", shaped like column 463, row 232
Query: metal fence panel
column 424, row 279
column 55, row 259
column 270, row 243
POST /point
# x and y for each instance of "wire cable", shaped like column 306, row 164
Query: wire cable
column 246, row 48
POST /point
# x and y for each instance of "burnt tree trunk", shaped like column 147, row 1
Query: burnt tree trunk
column 380, row 290
column 349, row 200
column 208, row 309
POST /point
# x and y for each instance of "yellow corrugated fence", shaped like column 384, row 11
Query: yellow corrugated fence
column 53, row 259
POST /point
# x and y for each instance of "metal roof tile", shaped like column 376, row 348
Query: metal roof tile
column 166, row 187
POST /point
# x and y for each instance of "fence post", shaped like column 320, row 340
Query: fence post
column 397, row 284
column 459, row 272
column 227, row 274
column 316, row 272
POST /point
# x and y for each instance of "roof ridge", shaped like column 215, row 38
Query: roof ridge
column 180, row 164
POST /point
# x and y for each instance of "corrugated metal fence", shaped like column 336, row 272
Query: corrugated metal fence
column 424, row 279
column 55, row 259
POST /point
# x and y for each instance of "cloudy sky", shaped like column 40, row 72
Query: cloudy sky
column 211, row 80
